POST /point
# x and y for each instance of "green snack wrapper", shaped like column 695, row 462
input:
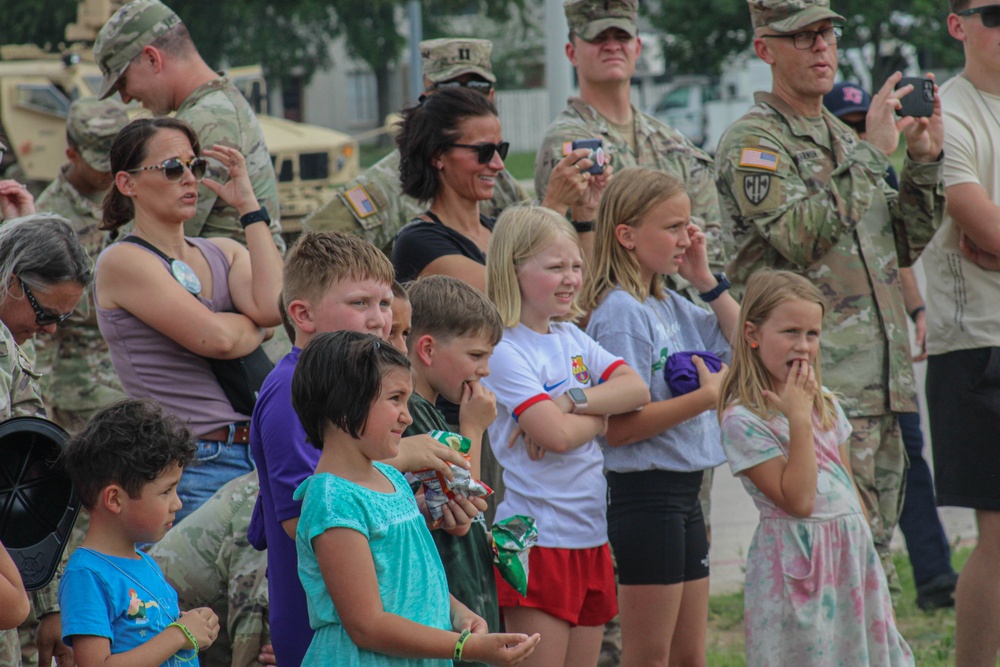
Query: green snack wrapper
column 513, row 538
column 458, row 442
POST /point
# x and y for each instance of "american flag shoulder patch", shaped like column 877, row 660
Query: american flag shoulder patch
column 359, row 200
column 755, row 157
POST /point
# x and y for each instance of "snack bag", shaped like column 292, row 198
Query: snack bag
column 438, row 490
column 513, row 538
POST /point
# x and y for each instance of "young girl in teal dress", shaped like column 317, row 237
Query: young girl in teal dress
column 376, row 590
column 815, row 591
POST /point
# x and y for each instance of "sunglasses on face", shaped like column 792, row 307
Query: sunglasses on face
column 42, row 318
column 486, row 151
column 173, row 168
column 482, row 86
column 990, row 14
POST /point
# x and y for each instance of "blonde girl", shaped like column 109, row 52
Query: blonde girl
column 655, row 458
column 555, row 388
column 815, row 590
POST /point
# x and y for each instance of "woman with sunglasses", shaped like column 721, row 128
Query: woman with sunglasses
column 167, row 304
column 450, row 154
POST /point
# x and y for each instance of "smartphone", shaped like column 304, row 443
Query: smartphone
column 596, row 154
column 920, row 100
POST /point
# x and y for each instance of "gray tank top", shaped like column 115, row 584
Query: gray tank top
column 150, row 365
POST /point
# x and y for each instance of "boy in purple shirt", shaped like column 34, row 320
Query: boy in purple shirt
column 332, row 282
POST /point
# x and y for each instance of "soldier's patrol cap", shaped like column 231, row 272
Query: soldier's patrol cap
column 447, row 59
column 790, row 15
column 93, row 125
column 589, row 18
column 133, row 27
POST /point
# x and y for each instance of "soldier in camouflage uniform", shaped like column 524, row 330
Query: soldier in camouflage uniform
column 630, row 138
column 210, row 563
column 32, row 248
column 146, row 54
column 802, row 193
column 77, row 375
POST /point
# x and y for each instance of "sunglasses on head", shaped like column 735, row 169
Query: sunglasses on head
column 42, row 318
column 990, row 14
column 482, row 86
column 486, row 151
column 173, row 168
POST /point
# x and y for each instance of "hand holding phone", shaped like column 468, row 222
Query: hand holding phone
column 918, row 102
column 596, row 155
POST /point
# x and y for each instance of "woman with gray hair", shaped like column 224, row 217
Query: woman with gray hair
column 43, row 272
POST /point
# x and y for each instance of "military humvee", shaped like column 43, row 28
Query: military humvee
column 37, row 88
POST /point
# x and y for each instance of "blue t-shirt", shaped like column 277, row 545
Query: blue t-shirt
column 644, row 335
column 411, row 579
column 126, row 600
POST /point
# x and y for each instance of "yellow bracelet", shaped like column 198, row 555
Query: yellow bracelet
column 460, row 644
column 190, row 636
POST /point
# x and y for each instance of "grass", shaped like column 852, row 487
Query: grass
column 931, row 635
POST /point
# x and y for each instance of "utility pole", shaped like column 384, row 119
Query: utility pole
column 413, row 13
column 558, row 71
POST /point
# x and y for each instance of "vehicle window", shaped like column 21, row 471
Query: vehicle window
column 314, row 166
column 287, row 171
column 42, row 97
column 675, row 99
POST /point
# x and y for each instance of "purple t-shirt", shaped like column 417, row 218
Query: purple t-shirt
column 284, row 459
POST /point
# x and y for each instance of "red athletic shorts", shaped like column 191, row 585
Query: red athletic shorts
column 576, row 585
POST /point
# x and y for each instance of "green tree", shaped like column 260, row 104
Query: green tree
column 373, row 30
column 700, row 35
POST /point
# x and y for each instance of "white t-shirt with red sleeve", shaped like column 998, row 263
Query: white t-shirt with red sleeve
column 565, row 493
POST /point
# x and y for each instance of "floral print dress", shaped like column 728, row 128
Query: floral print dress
column 815, row 591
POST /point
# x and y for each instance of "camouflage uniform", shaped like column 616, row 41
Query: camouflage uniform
column 373, row 204
column 77, row 375
column 19, row 397
column 217, row 111
column 806, row 195
column 210, row 563
column 658, row 146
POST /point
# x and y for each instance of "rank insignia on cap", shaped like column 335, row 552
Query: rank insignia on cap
column 755, row 157
column 360, row 201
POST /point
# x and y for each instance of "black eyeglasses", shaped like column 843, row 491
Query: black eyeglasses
column 806, row 39
column 482, row 86
column 990, row 14
column 486, row 151
column 173, row 168
column 42, row 318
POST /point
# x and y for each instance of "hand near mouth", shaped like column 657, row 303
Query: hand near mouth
column 796, row 396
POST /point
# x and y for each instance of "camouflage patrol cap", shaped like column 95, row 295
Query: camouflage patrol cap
column 136, row 25
column 589, row 18
column 790, row 15
column 446, row 59
column 93, row 125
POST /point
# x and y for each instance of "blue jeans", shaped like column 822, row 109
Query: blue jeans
column 930, row 554
column 215, row 463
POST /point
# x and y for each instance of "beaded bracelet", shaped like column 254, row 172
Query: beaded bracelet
column 460, row 644
column 190, row 636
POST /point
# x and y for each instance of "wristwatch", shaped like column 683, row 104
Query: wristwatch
column 579, row 399
column 260, row 215
column 716, row 291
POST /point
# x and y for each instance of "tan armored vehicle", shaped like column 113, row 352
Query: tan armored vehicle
column 36, row 89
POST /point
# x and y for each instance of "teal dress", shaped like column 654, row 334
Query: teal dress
column 411, row 580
